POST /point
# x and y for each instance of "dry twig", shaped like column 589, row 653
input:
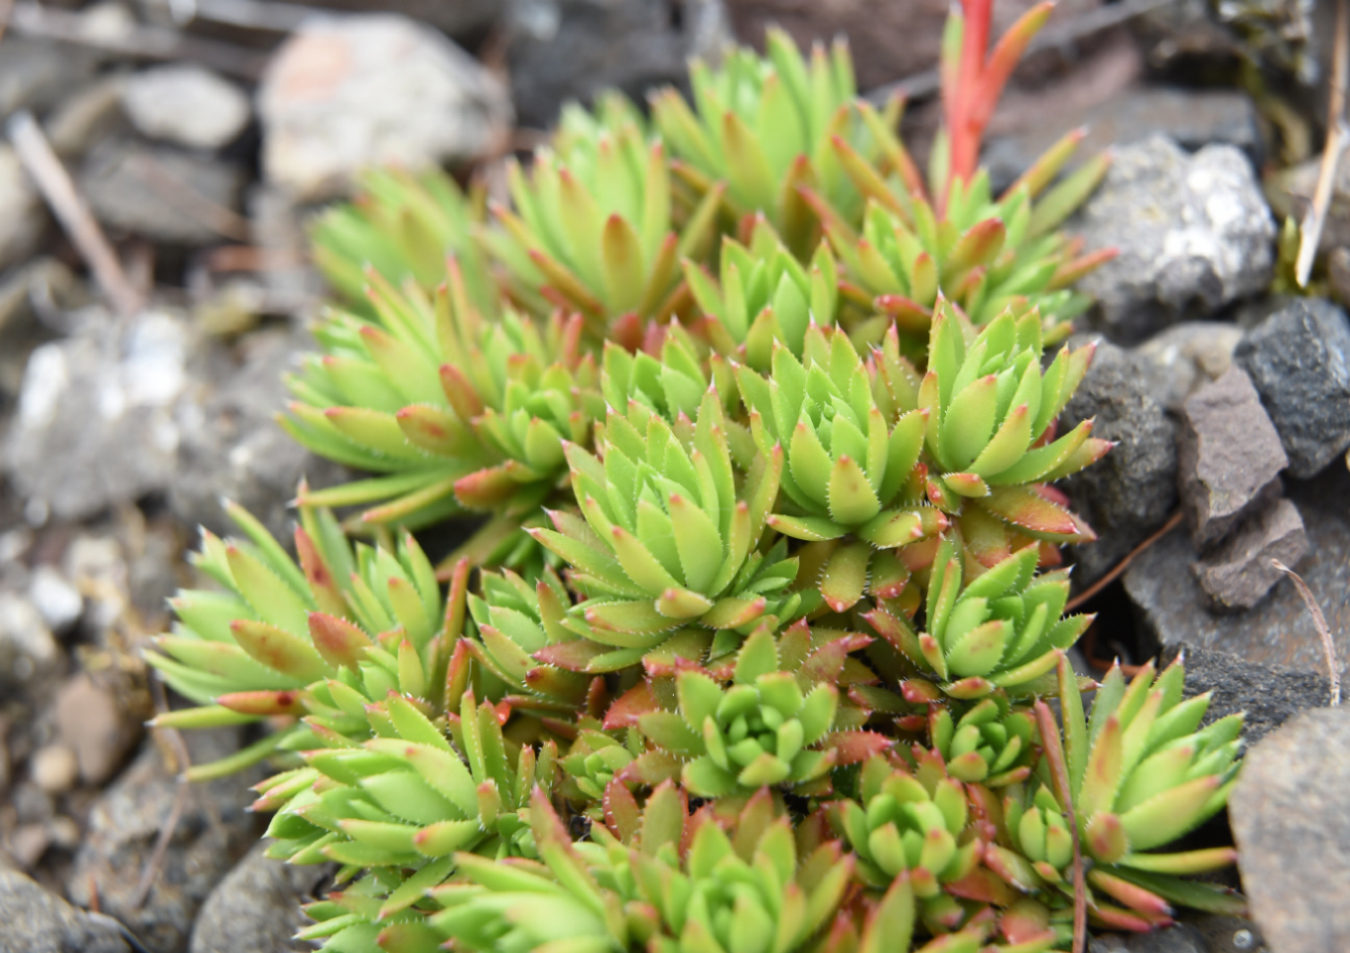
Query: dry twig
column 71, row 210
column 166, row 832
column 1172, row 523
column 1323, row 630
column 1338, row 139
column 134, row 39
column 192, row 203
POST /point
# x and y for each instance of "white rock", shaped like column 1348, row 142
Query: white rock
column 345, row 93
column 187, row 105
column 58, row 602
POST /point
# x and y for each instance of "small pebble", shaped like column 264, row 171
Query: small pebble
column 28, row 843
column 55, row 769
column 58, row 602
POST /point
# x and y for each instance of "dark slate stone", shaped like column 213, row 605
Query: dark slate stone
column 1239, row 573
column 35, row 921
column 1129, row 493
column 1268, row 694
column 1229, row 457
column 1173, row 609
column 1299, row 361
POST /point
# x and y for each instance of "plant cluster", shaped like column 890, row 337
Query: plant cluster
column 749, row 652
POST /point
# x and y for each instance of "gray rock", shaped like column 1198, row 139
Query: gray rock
column 573, row 49
column 40, row 922
column 1239, row 574
column 1194, row 234
column 1186, row 357
column 1173, row 609
column 1290, row 823
column 1299, row 361
column 1131, row 491
column 24, row 221
column 185, row 104
column 1192, row 118
column 345, row 93
column 214, row 830
column 87, row 116
column 161, row 194
column 1225, row 934
column 29, row 654
column 1268, row 694
column 231, row 444
column 94, row 426
column 1182, row 938
column 257, row 907
column 1228, row 455
column 37, row 74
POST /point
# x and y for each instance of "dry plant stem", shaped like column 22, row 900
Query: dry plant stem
column 1338, row 138
column 1323, row 630
column 192, row 203
column 1172, row 523
column 1054, row 754
column 71, row 210
column 166, row 832
column 133, row 39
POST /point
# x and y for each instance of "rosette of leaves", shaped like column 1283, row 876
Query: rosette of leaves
column 763, row 126
column 593, row 230
column 595, row 759
column 1143, row 773
column 668, row 538
column 763, row 295
column 402, row 226
column 516, row 621
column 990, row 412
column 912, row 823
column 675, row 883
column 989, row 744
column 403, row 803
column 999, row 630
column 851, row 485
column 769, row 727
column 457, row 412
column 256, row 648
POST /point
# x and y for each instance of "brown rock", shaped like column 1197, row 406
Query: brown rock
column 1229, row 457
column 1290, row 822
column 1239, row 573
column 98, row 727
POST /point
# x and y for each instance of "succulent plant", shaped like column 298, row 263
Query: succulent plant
column 592, row 230
column 763, row 127
column 989, row 744
column 459, row 412
column 668, row 538
column 1001, row 630
column 901, row 824
column 640, row 716
column 763, row 295
column 255, row 649
column 990, row 412
column 849, row 473
column 402, row 227
column 745, row 894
